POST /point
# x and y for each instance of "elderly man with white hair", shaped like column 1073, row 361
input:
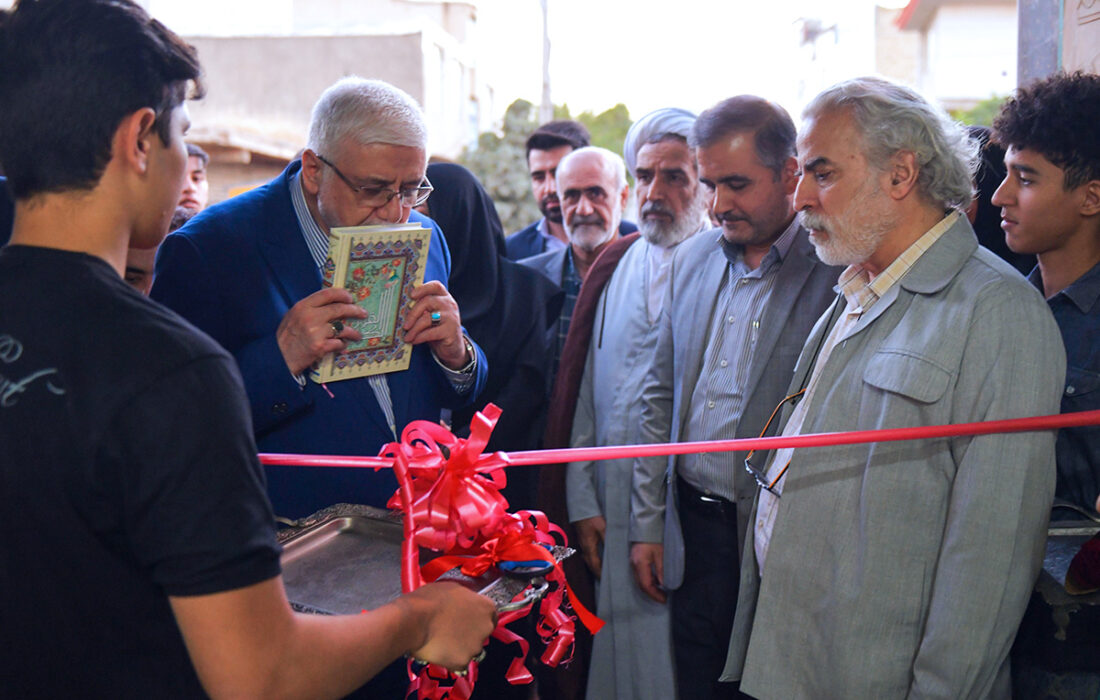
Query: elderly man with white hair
column 900, row 569
column 247, row 271
column 620, row 303
column 593, row 195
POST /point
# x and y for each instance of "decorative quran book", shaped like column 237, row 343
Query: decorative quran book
column 379, row 265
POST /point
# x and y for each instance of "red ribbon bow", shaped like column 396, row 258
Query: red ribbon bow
column 449, row 492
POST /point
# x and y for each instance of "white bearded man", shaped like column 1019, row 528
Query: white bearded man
column 899, row 569
column 632, row 656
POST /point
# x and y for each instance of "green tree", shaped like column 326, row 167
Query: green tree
column 608, row 128
column 981, row 114
column 500, row 162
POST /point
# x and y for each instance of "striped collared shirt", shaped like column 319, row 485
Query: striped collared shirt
column 860, row 292
column 720, row 393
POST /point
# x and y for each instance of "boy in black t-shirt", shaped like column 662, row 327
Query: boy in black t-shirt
column 139, row 556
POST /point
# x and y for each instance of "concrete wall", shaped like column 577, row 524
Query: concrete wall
column 1081, row 36
column 897, row 52
column 267, row 85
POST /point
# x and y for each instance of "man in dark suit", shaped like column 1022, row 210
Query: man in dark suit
column 247, row 271
column 546, row 146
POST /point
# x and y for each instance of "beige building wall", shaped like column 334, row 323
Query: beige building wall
column 266, row 86
column 260, row 91
column 897, row 52
column 1081, row 35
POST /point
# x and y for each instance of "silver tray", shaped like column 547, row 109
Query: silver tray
column 347, row 558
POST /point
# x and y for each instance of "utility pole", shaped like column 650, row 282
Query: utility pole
column 546, row 108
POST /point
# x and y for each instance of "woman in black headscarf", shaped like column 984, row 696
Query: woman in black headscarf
column 506, row 308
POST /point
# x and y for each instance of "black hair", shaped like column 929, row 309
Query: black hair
column 772, row 128
column 70, row 72
column 561, row 132
column 987, row 217
column 1056, row 117
column 196, row 151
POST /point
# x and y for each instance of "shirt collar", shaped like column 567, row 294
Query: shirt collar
column 315, row 237
column 1084, row 291
column 735, row 251
column 862, row 292
column 569, row 269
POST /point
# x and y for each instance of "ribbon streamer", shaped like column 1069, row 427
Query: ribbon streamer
column 450, row 494
column 579, row 454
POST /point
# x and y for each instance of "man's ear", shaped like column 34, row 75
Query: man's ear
column 311, row 172
column 789, row 176
column 902, row 172
column 624, row 196
column 133, row 140
column 1090, row 205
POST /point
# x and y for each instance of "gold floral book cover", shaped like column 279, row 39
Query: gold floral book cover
column 379, row 265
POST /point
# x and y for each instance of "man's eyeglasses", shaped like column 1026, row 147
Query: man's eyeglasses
column 375, row 197
column 760, row 476
column 595, row 194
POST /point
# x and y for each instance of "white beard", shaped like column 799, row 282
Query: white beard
column 680, row 229
column 853, row 236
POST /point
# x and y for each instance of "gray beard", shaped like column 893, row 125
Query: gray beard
column 668, row 235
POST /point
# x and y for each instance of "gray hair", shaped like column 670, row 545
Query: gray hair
column 657, row 126
column 612, row 161
column 365, row 112
column 891, row 118
column 772, row 129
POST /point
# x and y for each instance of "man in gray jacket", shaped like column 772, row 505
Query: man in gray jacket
column 740, row 302
column 899, row 569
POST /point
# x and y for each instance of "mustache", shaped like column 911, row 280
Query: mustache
column 550, row 199
column 809, row 220
column 593, row 219
column 729, row 218
column 657, row 208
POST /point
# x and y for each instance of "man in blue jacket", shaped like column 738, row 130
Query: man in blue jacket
column 247, row 271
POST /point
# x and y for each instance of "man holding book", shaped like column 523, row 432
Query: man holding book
column 248, row 272
column 141, row 560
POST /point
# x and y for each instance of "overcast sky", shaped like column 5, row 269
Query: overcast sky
column 686, row 53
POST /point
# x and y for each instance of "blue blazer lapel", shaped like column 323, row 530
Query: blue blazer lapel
column 284, row 249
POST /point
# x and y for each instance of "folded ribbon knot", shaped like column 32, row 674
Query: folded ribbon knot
column 450, row 494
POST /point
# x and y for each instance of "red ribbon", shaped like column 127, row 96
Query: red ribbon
column 449, row 492
column 579, row 454
column 515, row 542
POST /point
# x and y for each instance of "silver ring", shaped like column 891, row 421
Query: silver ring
column 336, row 326
column 436, row 317
column 476, row 660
